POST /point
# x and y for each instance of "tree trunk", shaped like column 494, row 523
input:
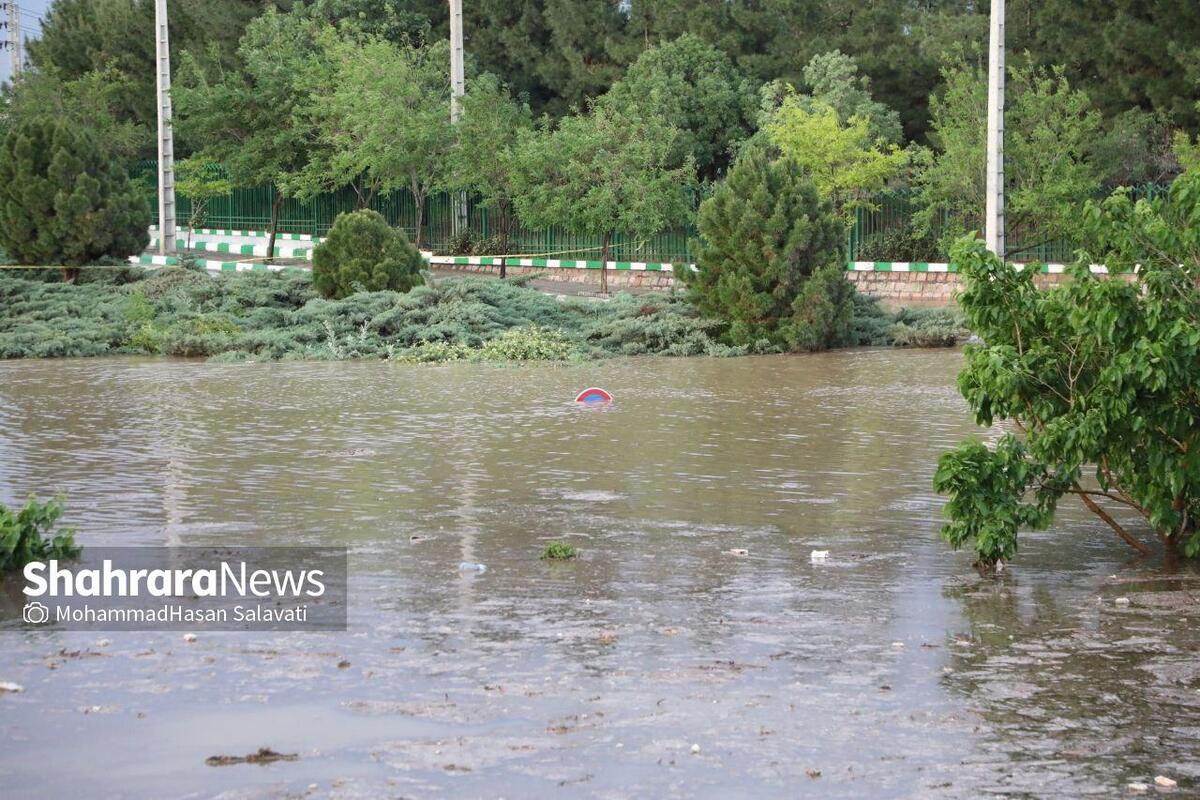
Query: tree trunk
column 502, row 224
column 604, row 264
column 419, row 199
column 69, row 274
column 276, row 206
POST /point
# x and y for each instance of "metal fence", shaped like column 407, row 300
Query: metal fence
column 250, row 209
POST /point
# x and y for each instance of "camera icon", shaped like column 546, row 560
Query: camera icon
column 35, row 613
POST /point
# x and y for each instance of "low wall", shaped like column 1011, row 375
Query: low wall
column 617, row 278
column 931, row 284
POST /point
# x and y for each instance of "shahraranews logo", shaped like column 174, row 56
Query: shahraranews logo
column 185, row 588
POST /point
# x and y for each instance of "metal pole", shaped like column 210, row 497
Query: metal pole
column 166, row 146
column 994, row 228
column 457, row 89
column 14, row 37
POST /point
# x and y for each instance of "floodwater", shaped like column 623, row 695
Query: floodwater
column 891, row 670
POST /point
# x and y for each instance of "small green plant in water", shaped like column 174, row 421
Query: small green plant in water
column 559, row 551
column 29, row 535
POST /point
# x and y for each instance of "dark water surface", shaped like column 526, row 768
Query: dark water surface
column 893, row 669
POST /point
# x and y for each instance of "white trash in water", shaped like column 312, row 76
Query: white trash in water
column 1165, row 782
column 471, row 566
column 819, row 555
column 8, row 686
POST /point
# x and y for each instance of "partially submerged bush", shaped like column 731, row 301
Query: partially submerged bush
column 527, row 344
column 559, row 551
column 364, row 254
column 29, row 534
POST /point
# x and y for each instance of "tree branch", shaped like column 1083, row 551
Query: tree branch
column 1112, row 523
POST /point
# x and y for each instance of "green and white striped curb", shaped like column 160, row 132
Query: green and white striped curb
column 291, row 237
column 555, row 263
column 928, row 266
column 214, row 266
column 240, row 249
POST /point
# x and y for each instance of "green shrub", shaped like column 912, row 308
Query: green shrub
column 64, row 200
column 928, row 327
column 559, row 551
column 902, row 242
column 823, row 312
column 763, row 232
column 527, row 344
column 364, row 253
column 29, row 535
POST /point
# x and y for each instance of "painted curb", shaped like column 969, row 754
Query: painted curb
column 929, row 266
column 291, row 237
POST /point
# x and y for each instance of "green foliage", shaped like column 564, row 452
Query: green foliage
column 1050, row 132
column 902, row 241
column 559, row 551
column 601, row 172
column 764, row 232
column 527, row 344
column 845, row 164
column 834, row 82
column 693, row 85
column 363, row 253
column 29, row 535
column 485, row 156
column 1100, row 376
column 382, row 112
column 200, row 181
column 822, row 314
column 63, row 199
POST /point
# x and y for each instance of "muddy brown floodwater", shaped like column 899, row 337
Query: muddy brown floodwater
column 891, row 670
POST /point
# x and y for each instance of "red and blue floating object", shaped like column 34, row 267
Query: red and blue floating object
column 593, row 395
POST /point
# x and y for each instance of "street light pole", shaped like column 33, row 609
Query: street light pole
column 14, row 37
column 994, row 225
column 166, row 146
column 457, row 89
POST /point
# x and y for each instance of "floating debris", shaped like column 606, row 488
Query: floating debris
column 189, row 637
column 11, row 688
column 695, row 749
column 471, row 566
column 819, row 556
column 265, row 755
column 738, row 551
column 1165, row 782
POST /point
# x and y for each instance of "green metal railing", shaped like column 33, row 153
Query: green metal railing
column 250, row 209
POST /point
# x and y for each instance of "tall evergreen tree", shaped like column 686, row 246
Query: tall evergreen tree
column 64, row 200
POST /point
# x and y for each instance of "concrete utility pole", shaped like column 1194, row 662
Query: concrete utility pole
column 994, row 225
column 166, row 146
column 14, row 36
column 458, row 86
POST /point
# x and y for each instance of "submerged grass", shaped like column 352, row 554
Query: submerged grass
column 270, row 316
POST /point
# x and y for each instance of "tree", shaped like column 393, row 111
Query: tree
column 388, row 118
column 485, row 156
column 1098, row 376
column 846, row 165
column 1050, row 131
column 200, row 181
column 116, row 38
column 834, row 82
column 363, row 253
column 246, row 119
column 599, row 173
column 763, row 233
column 695, row 87
column 65, row 201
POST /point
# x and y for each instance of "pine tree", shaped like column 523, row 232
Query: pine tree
column 764, row 232
column 65, row 201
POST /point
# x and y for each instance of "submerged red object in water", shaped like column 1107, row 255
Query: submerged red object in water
column 593, row 394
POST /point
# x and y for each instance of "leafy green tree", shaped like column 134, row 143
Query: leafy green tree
column 200, row 181
column 834, row 81
column 1136, row 148
column 763, row 233
column 602, row 172
column 694, row 86
column 485, row 156
column 388, row 118
column 116, row 38
column 246, row 119
column 364, row 253
column 1098, row 376
column 29, row 535
column 1050, row 131
column 64, row 200
column 846, row 165
column 398, row 21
